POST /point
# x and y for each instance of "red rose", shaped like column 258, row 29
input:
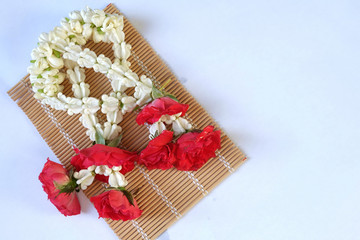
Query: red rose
column 159, row 152
column 194, row 149
column 100, row 154
column 115, row 205
column 161, row 106
column 53, row 177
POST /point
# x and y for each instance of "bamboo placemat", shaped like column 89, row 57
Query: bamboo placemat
column 164, row 196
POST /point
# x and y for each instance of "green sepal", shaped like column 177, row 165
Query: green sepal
column 67, row 19
column 32, row 61
column 98, row 29
column 57, row 53
column 70, row 187
column 99, row 139
column 156, row 93
column 39, row 76
column 136, row 108
column 127, row 195
column 115, row 142
column 92, row 25
column 172, row 97
column 40, row 90
column 82, row 22
column 47, row 69
column 56, row 76
column 71, row 36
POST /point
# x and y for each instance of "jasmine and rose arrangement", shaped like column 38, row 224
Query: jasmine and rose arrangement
column 173, row 141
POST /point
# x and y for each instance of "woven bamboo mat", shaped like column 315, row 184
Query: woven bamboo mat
column 164, row 196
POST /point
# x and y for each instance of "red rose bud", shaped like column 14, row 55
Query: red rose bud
column 60, row 188
column 152, row 112
column 100, row 154
column 194, row 149
column 115, row 205
column 159, row 152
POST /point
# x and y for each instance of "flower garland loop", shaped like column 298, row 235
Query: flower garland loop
column 173, row 141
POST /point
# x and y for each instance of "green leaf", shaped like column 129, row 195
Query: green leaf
column 39, row 76
column 99, row 30
column 41, row 90
column 57, row 53
column 67, row 188
column 99, row 139
column 32, row 61
column 115, row 142
column 172, row 97
column 136, row 108
column 71, row 36
column 71, row 173
column 127, row 195
column 67, row 19
column 156, row 93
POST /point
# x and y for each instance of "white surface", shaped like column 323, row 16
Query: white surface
column 291, row 74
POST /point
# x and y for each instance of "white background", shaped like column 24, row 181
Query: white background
column 281, row 77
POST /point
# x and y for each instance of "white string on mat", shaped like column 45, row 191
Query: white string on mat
column 158, row 191
column 140, row 230
column 226, row 164
column 197, row 183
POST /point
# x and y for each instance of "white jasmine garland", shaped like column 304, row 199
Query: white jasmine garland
column 110, row 104
column 114, row 117
column 85, row 177
column 179, row 125
column 116, row 179
column 103, row 170
column 64, row 47
column 143, row 90
column 168, row 119
column 156, row 128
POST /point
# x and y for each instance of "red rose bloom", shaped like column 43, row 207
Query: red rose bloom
column 54, row 173
column 114, row 204
column 194, row 149
column 100, row 154
column 161, row 106
column 159, row 152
